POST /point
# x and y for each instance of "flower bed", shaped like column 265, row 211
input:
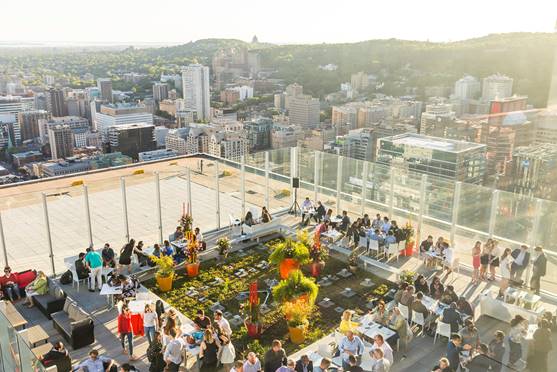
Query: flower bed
column 228, row 286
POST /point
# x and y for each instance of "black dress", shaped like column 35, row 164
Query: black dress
column 209, row 361
column 126, row 256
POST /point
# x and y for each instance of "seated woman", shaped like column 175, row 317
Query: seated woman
column 178, row 234
column 381, row 314
column 129, row 287
column 449, row 295
column 248, row 220
column 436, row 288
column 55, row 355
column 167, row 249
column 421, row 285
column 201, row 245
column 39, row 286
column 346, row 323
column 265, row 215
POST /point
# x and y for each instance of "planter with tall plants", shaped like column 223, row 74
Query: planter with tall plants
column 296, row 287
column 288, row 255
column 192, row 258
column 297, row 314
column 407, row 234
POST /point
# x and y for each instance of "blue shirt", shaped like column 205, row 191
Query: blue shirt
column 93, row 365
column 94, row 259
column 167, row 250
column 356, row 346
column 390, row 239
column 386, row 227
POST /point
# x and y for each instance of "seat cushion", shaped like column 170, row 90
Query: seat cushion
column 25, row 277
column 44, row 300
column 67, row 304
column 63, row 321
column 76, row 314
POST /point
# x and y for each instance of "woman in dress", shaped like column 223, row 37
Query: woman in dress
column 126, row 255
column 484, row 258
column 227, row 354
column 265, row 215
column 398, row 323
column 39, row 286
column 519, row 329
column 346, row 323
column 476, row 262
column 208, row 352
column 505, row 266
column 493, row 259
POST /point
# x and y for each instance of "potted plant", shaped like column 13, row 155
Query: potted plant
column 252, row 320
column 186, row 221
column 165, row 272
column 223, row 245
column 296, row 287
column 407, row 234
column 192, row 259
column 288, row 256
column 353, row 262
column 407, row 276
column 297, row 314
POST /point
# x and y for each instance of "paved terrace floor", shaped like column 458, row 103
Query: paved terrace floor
column 421, row 356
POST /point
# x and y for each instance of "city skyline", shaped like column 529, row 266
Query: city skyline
column 355, row 21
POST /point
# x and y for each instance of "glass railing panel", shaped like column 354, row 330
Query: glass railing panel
column 142, row 213
column 174, row 197
column 256, row 160
column 515, row 217
column 379, row 184
column 230, row 188
column 546, row 237
column 29, row 361
column 406, row 190
column 439, row 195
column 9, row 347
column 279, row 160
column 474, row 207
column 351, row 183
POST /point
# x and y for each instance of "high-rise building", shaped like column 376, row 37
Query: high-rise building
column 496, row 87
column 534, row 171
column 506, row 129
column 358, row 144
column 285, row 135
column 29, row 123
column 131, row 139
column 436, row 119
column 292, row 90
column 55, row 102
column 545, row 123
column 259, row 133
column 61, row 141
column 196, row 90
column 79, row 127
column 467, row 87
column 105, row 88
column 228, row 145
column 304, row 110
column 188, row 140
column 160, row 92
column 454, row 160
column 10, row 133
column 280, row 101
column 115, row 114
column 359, row 81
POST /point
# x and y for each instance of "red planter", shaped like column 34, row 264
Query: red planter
column 287, row 266
column 254, row 330
column 192, row 269
column 409, row 249
column 315, row 268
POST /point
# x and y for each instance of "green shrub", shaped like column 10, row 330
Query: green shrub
column 295, row 286
column 289, row 249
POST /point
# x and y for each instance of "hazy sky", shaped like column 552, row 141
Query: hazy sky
column 278, row 21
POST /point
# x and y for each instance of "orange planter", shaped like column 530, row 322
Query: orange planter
column 409, row 249
column 287, row 266
column 316, row 267
column 164, row 283
column 297, row 334
column 192, row 269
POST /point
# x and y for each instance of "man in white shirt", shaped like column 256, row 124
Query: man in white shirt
column 307, row 206
column 449, row 256
column 95, row 363
column 381, row 364
column 385, row 347
column 252, row 363
column 173, row 352
column 223, row 323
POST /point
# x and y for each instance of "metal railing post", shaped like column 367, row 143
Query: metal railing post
column 48, row 234
column 188, row 177
column 217, row 193
column 493, row 212
column 293, row 171
column 243, row 183
column 392, row 193
column 267, row 166
column 339, row 181
column 125, row 208
column 316, row 172
column 536, row 224
column 88, row 214
column 3, row 240
column 365, row 177
column 159, row 207
column 421, row 212
column 456, row 208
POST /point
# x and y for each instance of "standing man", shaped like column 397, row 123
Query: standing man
column 94, row 262
column 173, row 352
column 539, row 267
column 521, row 258
column 223, row 323
column 304, row 364
column 275, row 357
column 350, row 345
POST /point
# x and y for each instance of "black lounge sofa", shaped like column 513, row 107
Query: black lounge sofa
column 74, row 324
column 52, row 301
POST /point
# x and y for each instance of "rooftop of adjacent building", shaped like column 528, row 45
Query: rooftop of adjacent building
column 543, row 151
column 432, row 143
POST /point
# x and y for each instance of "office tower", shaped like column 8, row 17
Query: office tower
column 185, row 117
column 105, row 88
column 79, row 127
column 344, row 118
column 78, row 106
column 496, row 87
column 467, row 87
column 545, row 123
column 229, row 96
column 55, row 102
column 228, row 145
column 160, row 135
column 195, row 83
column 436, row 119
column 10, row 107
column 304, row 111
column 40, row 102
column 507, row 128
column 188, row 140
column 29, row 123
column 61, row 141
column 534, row 171
column 285, row 135
column 359, row 81
column 131, row 139
column 160, row 92
column 259, row 133
column 358, row 144
column 453, row 160
column 120, row 114
column 280, row 101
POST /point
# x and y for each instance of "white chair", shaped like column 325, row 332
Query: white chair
column 374, row 246
column 338, row 337
column 75, row 278
column 325, row 350
column 418, row 319
column 142, row 296
column 443, row 329
column 362, row 242
column 405, row 311
column 392, row 250
column 455, row 266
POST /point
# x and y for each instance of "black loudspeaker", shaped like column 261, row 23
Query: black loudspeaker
column 296, row 182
